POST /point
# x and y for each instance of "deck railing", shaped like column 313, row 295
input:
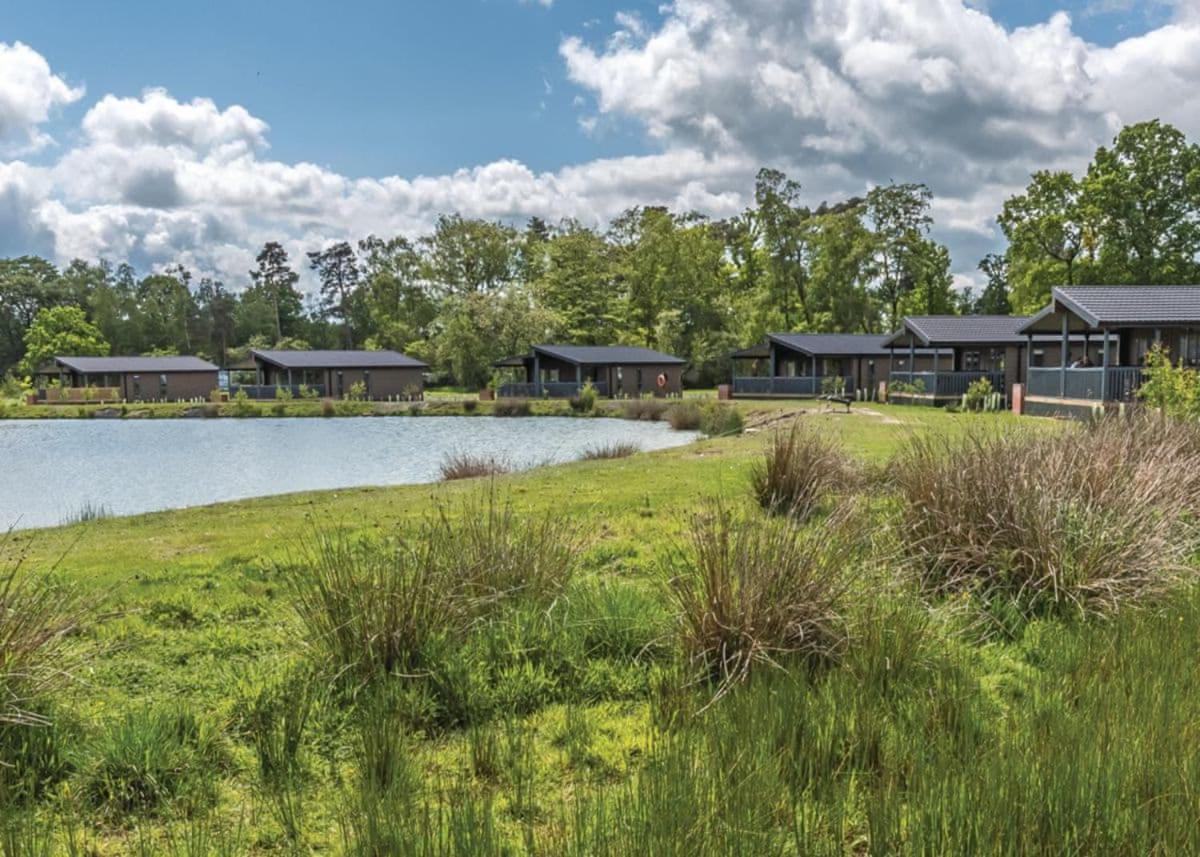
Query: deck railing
column 1086, row 382
column 947, row 384
column 801, row 385
column 271, row 391
column 550, row 390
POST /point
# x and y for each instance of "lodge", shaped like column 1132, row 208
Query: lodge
column 614, row 371
column 1121, row 324
column 372, row 375
column 802, row 365
column 69, row 379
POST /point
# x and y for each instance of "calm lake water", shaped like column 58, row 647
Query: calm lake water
column 50, row 470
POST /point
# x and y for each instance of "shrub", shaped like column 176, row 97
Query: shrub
column 612, row 449
column 469, row 406
column 469, row 465
column 649, row 409
column 150, row 757
column 978, row 396
column 1174, row 390
column 585, row 402
column 511, row 408
column 357, row 392
column 721, row 420
column 1086, row 518
column 798, row 470
column 283, row 393
column 241, row 405
column 753, row 592
column 684, row 415
column 328, row 408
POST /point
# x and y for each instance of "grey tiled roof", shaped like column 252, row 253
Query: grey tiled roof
column 1132, row 305
column 124, row 365
column 339, row 359
column 964, row 329
column 601, row 354
column 834, row 344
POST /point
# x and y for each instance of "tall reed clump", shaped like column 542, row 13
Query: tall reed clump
column 37, row 617
column 649, row 409
column 1082, row 519
column 511, row 408
column 610, row 450
column 800, row 468
column 759, row 592
column 469, row 465
column 373, row 608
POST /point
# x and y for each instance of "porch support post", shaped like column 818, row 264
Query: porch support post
column 1028, row 358
column 936, row 358
column 537, row 375
column 1066, row 346
column 1104, row 371
column 912, row 358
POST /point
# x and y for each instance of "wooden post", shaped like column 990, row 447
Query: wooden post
column 774, row 367
column 1104, row 371
column 1028, row 357
column 934, row 391
column 912, row 358
column 537, row 375
column 1063, row 354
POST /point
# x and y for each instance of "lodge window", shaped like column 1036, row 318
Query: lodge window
column 1038, row 357
column 972, row 361
column 1189, row 347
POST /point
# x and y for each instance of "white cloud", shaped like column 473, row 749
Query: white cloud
column 29, row 92
column 840, row 93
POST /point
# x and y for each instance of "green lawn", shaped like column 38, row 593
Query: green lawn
column 1045, row 742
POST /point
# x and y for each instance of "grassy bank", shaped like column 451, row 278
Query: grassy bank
column 207, row 713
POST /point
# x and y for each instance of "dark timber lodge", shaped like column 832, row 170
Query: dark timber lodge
column 131, row 379
column 617, row 371
column 810, row 364
column 1121, row 324
column 378, row 375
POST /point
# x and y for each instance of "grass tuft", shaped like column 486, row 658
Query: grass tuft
column 612, row 449
column 755, row 592
column 469, row 465
column 799, row 469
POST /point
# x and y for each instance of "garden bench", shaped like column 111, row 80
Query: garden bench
column 839, row 400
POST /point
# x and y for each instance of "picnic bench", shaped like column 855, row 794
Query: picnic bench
column 838, row 400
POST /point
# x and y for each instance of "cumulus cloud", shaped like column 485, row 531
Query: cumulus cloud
column 840, row 93
column 848, row 93
column 29, row 92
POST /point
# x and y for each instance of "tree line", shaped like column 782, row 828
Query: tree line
column 472, row 291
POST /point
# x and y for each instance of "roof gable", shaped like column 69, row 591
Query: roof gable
column 1131, row 305
column 126, row 365
column 338, row 359
column 607, row 354
column 948, row 330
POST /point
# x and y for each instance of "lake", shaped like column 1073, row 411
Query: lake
column 52, row 469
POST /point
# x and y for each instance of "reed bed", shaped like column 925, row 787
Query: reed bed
column 1084, row 519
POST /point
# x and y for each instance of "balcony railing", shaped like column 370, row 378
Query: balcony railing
column 947, row 384
column 1086, row 382
column 799, row 386
column 550, row 390
column 271, row 391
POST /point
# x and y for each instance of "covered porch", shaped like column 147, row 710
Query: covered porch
column 1122, row 324
column 963, row 350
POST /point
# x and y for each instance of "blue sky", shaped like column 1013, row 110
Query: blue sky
column 377, row 88
column 165, row 133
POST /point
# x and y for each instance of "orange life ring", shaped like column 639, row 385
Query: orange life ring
column 662, row 381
